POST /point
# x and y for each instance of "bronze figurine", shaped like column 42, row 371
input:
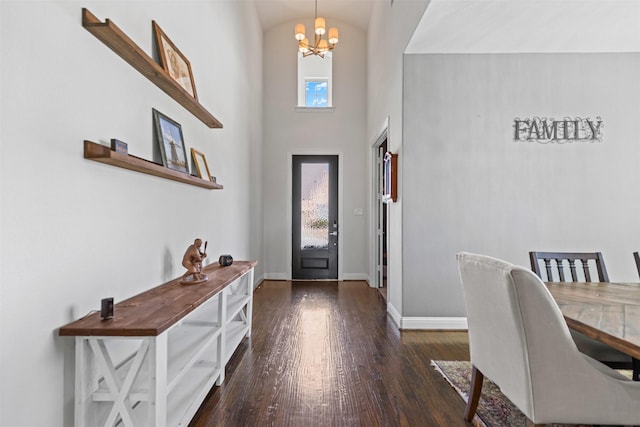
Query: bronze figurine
column 192, row 261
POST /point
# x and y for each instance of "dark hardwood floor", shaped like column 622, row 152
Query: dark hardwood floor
column 326, row 354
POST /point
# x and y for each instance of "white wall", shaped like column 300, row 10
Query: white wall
column 469, row 186
column 75, row 231
column 288, row 131
column 390, row 29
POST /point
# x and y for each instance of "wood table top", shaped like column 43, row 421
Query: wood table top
column 154, row 311
column 608, row 312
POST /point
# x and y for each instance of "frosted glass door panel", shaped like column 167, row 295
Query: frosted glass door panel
column 314, row 215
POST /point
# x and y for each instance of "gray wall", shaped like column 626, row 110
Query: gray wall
column 75, row 231
column 467, row 185
column 390, row 29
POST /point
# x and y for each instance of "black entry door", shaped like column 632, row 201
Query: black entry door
column 315, row 217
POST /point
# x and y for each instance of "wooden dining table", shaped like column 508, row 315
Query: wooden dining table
column 608, row 312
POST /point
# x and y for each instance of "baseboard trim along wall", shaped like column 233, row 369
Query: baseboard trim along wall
column 434, row 323
column 395, row 315
column 346, row 276
column 258, row 281
column 426, row 323
column 275, row 276
column 355, row 276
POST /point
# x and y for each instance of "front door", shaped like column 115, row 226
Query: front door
column 315, row 217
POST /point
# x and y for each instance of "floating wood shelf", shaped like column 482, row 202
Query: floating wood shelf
column 103, row 154
column 109, row 33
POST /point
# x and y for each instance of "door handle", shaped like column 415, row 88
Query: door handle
column 333, row 233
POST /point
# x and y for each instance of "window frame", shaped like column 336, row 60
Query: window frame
column 308, row 80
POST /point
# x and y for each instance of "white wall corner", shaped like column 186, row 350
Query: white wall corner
column 434, row 323
column 395, row 315
column 275, row 276
column 258, row 280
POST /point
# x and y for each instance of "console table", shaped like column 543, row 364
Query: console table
column 156, row 360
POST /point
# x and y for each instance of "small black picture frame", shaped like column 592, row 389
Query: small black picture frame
column 119, row 146
column 171, row 142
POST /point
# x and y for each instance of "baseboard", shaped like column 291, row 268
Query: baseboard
column 395, row 315
column 257, row 281
column 349, row 276
column 434, row 323
column 355, row 276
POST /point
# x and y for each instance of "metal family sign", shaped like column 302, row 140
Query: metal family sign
column 545, row 131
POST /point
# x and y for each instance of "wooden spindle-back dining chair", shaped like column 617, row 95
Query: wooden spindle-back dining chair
column 584, row 259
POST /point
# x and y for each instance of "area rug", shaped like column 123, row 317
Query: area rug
column 494, row 409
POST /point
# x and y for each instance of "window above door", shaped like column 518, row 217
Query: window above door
column 315, row 83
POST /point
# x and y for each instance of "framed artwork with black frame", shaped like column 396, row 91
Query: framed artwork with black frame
column 390, row 177
column 174, row 62
column 201, row 164
column 171, row 142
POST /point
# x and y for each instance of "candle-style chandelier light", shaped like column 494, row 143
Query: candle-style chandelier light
column 320, row 46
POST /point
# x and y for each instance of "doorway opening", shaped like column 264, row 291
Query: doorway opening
column 314, row 234
column 381, row 220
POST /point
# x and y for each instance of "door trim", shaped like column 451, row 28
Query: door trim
column 373, row 253
column 289, row 207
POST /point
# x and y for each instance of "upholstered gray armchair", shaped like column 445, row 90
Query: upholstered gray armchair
column 519, row 339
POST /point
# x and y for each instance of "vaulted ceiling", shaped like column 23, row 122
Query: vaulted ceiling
column 504, row 26
column 483, row 26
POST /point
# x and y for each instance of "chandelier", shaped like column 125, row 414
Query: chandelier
column 320, row 46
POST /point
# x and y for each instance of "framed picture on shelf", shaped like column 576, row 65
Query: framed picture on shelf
column 171, row 142
column 201, row 164
column 174, row 62
column 390, row 177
